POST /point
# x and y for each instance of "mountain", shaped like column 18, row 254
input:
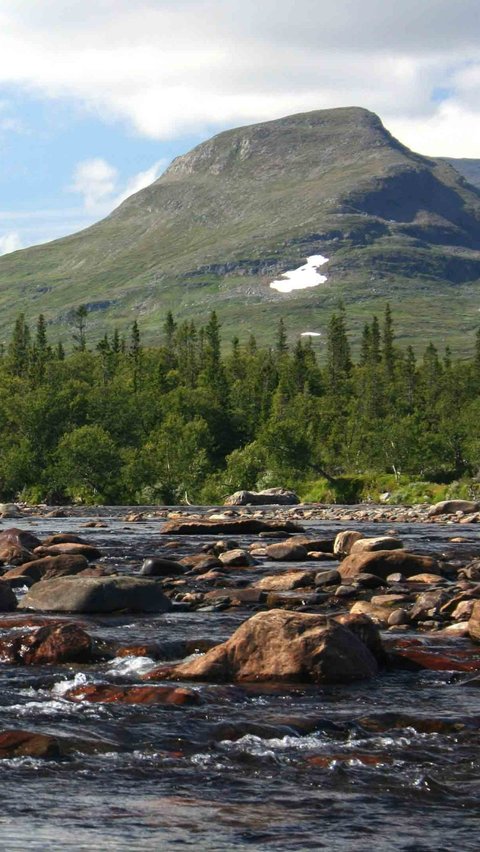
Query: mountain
column 468, row 167
column 228, row 218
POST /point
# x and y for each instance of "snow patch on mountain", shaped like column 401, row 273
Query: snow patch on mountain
column 303, row 277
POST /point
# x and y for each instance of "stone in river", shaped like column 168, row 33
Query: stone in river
column 54, row 643
column 156, row 566
column 111, row 694
column 268, row 497
column 14, row 554
column 47, row 568
column 71, row 548
column 92, row 594
column 449, row 507
column 285, row 581
column 474, row 623
column 345, row 540
column 385, row 562
column 22, row 538
column 284, row 646
column 236, row 558
column 242, row 526
column 287, row 551
column 8, row 600
column 383, row 542
column 18, row 743
column 64, row 538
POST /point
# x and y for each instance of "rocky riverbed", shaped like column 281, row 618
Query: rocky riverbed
column 273, row 677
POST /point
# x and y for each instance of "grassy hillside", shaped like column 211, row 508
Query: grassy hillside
column 237, row 211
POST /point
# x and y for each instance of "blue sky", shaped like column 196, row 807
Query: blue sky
column 97, row 97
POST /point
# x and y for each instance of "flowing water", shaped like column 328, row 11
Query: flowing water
column 391, row 764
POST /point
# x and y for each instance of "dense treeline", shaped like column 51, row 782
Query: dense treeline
column 123, row 423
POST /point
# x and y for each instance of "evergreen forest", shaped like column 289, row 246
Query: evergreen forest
column 195, row 418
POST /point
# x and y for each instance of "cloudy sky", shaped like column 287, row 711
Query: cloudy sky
column 97, row 96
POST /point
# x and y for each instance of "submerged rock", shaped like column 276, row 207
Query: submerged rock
column 29, row 744
column 96, row 594
column 108, row 694
column 284, row 646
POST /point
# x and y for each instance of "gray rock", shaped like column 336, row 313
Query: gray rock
column 96, row 594
column 449, row 507
column 269, row 497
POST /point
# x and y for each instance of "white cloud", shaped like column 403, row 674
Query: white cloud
column 10, row 242
column 95, row 180
column 98, row 182
column 190, row 65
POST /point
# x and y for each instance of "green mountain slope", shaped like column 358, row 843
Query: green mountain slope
column 233, row 214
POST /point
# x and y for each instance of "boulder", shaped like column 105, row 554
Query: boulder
column 156, row 566
column 237, row 526
column 8, row 600
column 382, row 542
column 14, row 554
column 287, row 551
column 22, row 538
column 69, row 548
column 92, row 594
column 428, row 605
column 378, row 614
column 474, row 623
column 385, row 562
column 236, row 558
column 268, row 497
column 345, row 540
column 108, row 694
column 200, row 563
column 366, row 631
column 285, row 581
column 285, row 646
column 65, row 538
column 450, row 507
column 47, row 568
column 9, row 510
column 55, row 643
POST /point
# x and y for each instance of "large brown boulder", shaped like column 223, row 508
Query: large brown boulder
column 22, row 538
column 385, row 562
column 238, row 526
column 285, row 646
column 55, row 643
column 96, row 594
column 474, row 622
column 47, row 568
